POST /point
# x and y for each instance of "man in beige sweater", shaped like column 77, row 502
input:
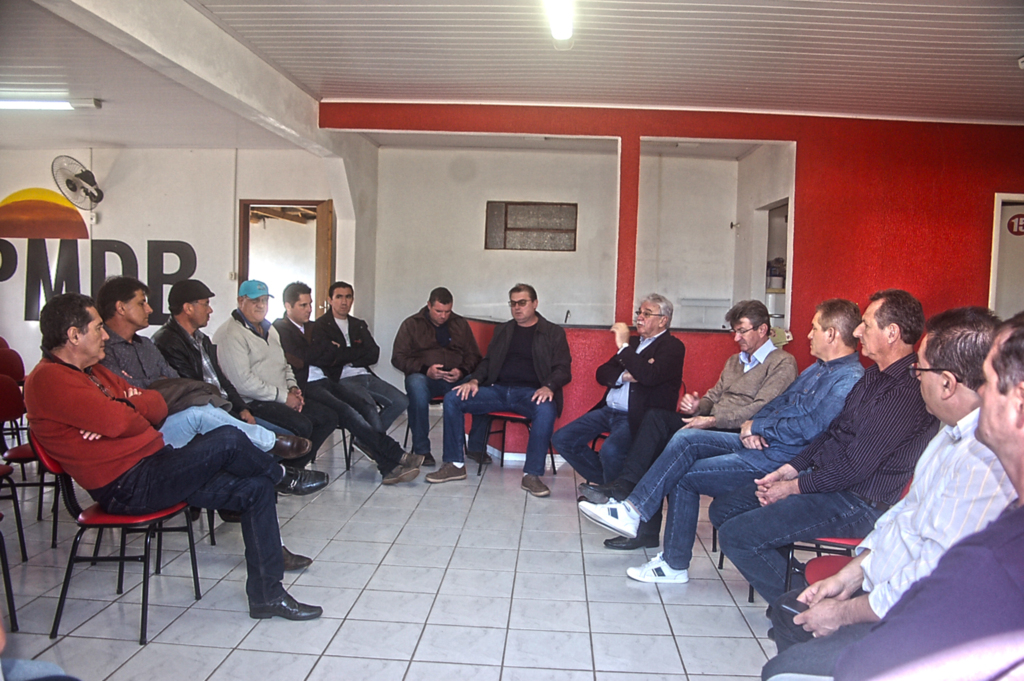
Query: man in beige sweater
column 752, row 378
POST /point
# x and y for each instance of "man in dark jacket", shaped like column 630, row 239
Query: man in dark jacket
column 527, row 364
column 436, row 350
column 645, row 373
column 305, row 357
column 348, row 353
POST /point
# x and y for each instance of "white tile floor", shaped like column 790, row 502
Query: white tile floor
column 465, row 580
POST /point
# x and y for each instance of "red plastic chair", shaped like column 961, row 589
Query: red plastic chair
column 12, row 365
column 504, row 418
column 12, row 407
column 96, row 518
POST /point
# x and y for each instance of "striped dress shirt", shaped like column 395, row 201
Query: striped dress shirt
column 871, row 448
column 959, row 487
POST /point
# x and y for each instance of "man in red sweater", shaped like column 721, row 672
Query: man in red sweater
column 101, row 430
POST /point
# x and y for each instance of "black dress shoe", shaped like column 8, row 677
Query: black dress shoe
column 195, row 513
column 428, row 460
column 627, row 544
column 600, row 494
column 300, row 482
column 290, row 447
column 230, row 516
column 286, row 607
column 293, row 561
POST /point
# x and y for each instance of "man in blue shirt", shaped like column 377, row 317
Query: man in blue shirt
column 699, row 462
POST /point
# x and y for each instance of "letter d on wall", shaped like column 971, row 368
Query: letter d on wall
column 159, row 278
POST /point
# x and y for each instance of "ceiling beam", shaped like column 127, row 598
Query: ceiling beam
column 178, row 41
column 278, row 214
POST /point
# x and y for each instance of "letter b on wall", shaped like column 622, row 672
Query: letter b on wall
column 159, row 278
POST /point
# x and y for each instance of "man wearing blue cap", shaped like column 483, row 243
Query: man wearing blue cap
column 250, row 354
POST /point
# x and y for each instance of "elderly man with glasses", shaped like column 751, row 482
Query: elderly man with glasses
column 752, row 378
column 645, row 373
column 527, row 364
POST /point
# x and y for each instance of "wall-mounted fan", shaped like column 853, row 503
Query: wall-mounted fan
column 76, row 182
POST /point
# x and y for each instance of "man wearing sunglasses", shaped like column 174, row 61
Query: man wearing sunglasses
column 527, row 364
column 645, row 373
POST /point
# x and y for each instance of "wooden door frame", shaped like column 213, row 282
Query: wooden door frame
column 325, row 256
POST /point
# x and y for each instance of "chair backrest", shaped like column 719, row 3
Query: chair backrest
column 3, row 342
column 12, row 404
column 64, row 481
column 12, row 365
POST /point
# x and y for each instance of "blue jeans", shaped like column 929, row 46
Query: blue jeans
column 696, row 462
column 221, row 470
column 420, row 389
column 315, row 422
column 179, row 429
column 382, row 449
column 751, row 535
column 573, row 440
column 367, row 392
column 500, row 398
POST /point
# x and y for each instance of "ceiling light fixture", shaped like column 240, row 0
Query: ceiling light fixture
column 560, row 18
column 66, row 105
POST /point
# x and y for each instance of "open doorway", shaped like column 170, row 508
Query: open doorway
column 284, row 241
column 1006, row 284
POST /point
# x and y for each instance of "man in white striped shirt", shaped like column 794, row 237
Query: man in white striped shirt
column 959, row 487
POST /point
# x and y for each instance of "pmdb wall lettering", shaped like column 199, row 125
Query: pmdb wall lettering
column 67, row 276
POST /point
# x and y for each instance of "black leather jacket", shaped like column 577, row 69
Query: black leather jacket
column 183, row 356
column 551, row 357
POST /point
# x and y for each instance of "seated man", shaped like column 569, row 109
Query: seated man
column 349, row 352
column 851, row 474
column 959, row 487
column 527, row 364
column 252, row 358
column 976, row 592
column 296, row 335
column 122, row 305
column 191, row 353
column 122, row 461
column 697, row 462
column 436, row 350
column 646, row 373
column 750, row 379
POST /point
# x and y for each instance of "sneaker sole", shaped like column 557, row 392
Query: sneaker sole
column 603, row 522
column 638, row 575
column 448, row 479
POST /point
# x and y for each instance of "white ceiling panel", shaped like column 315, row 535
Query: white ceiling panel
column 901, row 59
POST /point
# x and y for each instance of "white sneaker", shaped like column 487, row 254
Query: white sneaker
column 657, row 571
column 615, row 516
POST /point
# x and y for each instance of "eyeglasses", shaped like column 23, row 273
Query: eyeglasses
column 647, row 315
column 740, row 332
column 916, row 369
column 519, row 303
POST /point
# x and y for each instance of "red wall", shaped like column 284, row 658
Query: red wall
column 878, row 204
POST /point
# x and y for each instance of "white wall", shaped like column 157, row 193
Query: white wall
column 167, row 194
column 684, row 242
column 766, row 177
column 431, row 211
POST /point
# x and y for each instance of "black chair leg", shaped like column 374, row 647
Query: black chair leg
column 6, row 568
column 209, row 521
column 56, row 504
column 67, row 583
column 145, row 586
column 17, row 517
column 192, row 555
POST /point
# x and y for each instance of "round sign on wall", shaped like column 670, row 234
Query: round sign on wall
column 1015, row 225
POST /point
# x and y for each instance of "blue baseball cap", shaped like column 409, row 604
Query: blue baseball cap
column 253, row 289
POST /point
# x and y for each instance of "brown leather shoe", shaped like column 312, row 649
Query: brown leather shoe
column 447, row 473
column 476, row 456
column 400, row 474
column 410, row 460
column 294, row 561
column 534, row 485
column 291, row 447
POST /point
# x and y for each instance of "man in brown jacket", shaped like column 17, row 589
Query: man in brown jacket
column 436, row 350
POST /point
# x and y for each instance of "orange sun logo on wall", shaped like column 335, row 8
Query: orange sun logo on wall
column 40, row 214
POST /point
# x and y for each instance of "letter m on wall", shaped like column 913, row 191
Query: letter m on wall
column 38, row 285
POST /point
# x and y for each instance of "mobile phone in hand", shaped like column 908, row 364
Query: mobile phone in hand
column 794, row 607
